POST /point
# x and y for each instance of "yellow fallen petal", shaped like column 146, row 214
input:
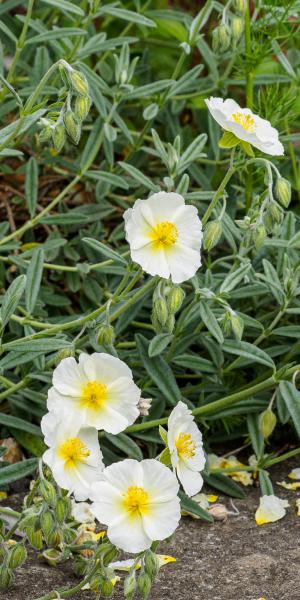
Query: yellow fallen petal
column 212, row 498
column 3, row 495
column 164, row 559
column 271, row 509
column 289, row 486
column 100, row 535
column 294, row 474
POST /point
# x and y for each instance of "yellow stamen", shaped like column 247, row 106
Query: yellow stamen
column 246, row 121
column 73, row 451
column 185, row 445
column 136, row 501
column 164, row 235
column 94, row 395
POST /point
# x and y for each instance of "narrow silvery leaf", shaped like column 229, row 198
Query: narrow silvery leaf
column 31, row 185
column 34, row 277
column 12, row 299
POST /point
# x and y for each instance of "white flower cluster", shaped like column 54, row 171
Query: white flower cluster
column 138, row 501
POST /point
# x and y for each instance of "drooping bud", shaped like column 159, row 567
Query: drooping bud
column 212, row 234
column 62, row 509
column 64, row 353
column 161, row 310
column 267, row 422
column 48, row 492
column 35, row 538
column 175, row 299
column 58, row 136
column 130, row 586
column 47, row 522
column 111, row 555
column 170, row 324
column 151, row 564
column 82, row 107
column 260, row 235
column 144, row 585
column 79, row 82
column 237, row 325
column 70, row 535
column 221, row 38
column 237, row 27
column 105, row 335
column 6, row 577
column 73, row 126
column 239, row 6
column 283, row 191
column 52, row 556
column 274, row 212
column 107, row 588
column 55, row 538
column 17, row 555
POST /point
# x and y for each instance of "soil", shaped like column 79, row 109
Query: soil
column 232, row 560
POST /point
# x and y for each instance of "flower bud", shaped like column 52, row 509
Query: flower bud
column 212, row 234
column 46, row 133
column 267, row 422
column 237, row 325
column 73, row 126
column 79, row 566
column 58, row 136
column 161, row 310
column 64, row 353
column 55, row 538
column 6, row 577
column 17, row 555
column 70, row 535
column 170, row 324
column 62, row 509
column 144, row 585
column 79, row 82
column 82, row 107
column 274, row 212
column 107, row 588
column 144, row 406
column 47, row 522
column 239, row 6
column 105, row 335
column 111, row 555
column 175, row 299
column 221, row 38
column 283, row 191
column 35, row 538
column 52, row 556
column 237, row 26
column 260, row 235
column 47, row 490
column 130, row 586
column 151, row 564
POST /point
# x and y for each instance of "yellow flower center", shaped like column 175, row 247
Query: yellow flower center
column 246, row 121
column 94, row 395
column 136, row 500
column 164, row 235
column 185, row 445
column 73, row 451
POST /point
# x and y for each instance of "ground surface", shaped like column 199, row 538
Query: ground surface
column 236, row 560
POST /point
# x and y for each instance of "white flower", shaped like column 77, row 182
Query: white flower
column 185, row 445
column 271, row 509
column 245, row 125
column 165, row 236
column 99, row 390
column 294, row 474
column 81, row 512
column 139, row 503
column 74, row 455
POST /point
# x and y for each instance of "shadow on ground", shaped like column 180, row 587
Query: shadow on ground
column 235, row 560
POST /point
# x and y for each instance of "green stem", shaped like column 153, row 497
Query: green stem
column 249, row 90
column 14, row 388
column 220, row 191
column 219, row 405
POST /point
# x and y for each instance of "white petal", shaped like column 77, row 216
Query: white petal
column 183, row 262
column 105, row 368
column 159, row 481
column 152, row 261
column 68, row 377
column 129, row 535
column 162, row 520
column 192, row 481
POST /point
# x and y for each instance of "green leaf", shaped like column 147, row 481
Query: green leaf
column 257, row 439
column 32, row 443
column 124, row 443
column 165, row 457
column 224, row 484
column 17, row 471
column 196, row 363
column 12, row 299
column 127, row 15
column 228, row 140
column 232, row 280
column 163, row 434
column 150, row 89
column 11, row 421
column 159, row 343
column 291, row 397
column 265, row 483
column 111, row 178
column 137, row 175
column 34, row 278
column 56, row 34
column 65, row 6
column 93, row 145
column 211, row 322
column 104, row 250
column 247, row 350
column 31, row 185
column 42, row 345
column 11, row 89
column 192, row 508
column 159, row 371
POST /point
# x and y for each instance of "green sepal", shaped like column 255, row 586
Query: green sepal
column 228, row 140
column 165, row 457
column 163, row 434
column 247, row 148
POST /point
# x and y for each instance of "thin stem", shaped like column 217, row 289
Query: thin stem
column 220, row 191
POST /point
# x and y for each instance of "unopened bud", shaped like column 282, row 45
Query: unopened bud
column 107, row 588
column 212, row 234
column 73, row 126
column 170, row 324
column 58, row 136
column 175, row 299
column 219, row 512
column 46, row 133
column 35, row 538
column 6, row 577
column 62, row 509
column 110, row 555
column 151, row 564
column 52, row 556
column 144, row 585
column 237, row 325
column 221, row 38
column 283, row 191
column 48, row 492
column 17, row 556
column 239, row 6
column 82, row 107
column 237, row 26
column 70, row 535
column 144, row 406
column 79, row 82
column 64, row 353
column 130, row 586
column 274, row 212
column 161, row 310
column 55, row 538
column 105, row 335
column 260, row 235
column 267, row 423
column 47, row 522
